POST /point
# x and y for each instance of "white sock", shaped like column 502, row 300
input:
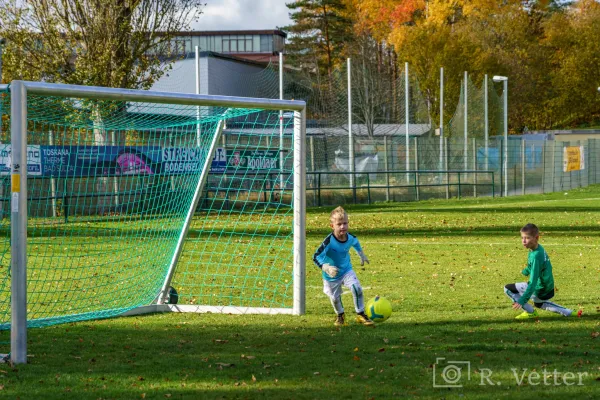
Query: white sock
column 357, row 295
column 337, row 305
column 556, row 308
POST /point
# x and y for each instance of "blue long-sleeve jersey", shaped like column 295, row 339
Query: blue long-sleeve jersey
column 336, row 253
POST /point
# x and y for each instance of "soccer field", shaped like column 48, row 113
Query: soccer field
column 442, row 264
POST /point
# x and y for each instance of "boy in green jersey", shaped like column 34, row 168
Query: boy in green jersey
column 540, row 287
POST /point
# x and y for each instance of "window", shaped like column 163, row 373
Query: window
column 266, row 44
column 226, row 44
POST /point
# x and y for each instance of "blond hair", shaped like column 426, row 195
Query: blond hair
column 338, row 213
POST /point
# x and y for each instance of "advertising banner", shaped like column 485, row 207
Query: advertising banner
column 86, row 161
column 254, row 160
column 573, row 158
column 34, row 160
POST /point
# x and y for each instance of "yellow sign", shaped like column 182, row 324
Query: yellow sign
column 573, row 159
column 15, row 182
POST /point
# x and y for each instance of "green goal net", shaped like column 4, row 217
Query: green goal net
column 134, row 199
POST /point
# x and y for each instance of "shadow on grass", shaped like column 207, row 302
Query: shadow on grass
column 209, row 356
column 498, row 230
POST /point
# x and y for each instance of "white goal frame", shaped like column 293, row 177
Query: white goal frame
column 19, row 91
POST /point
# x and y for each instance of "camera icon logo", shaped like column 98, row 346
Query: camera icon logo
column 450, row 373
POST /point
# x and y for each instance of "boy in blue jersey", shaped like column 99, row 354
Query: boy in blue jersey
column 333, row 258
column 540, row 287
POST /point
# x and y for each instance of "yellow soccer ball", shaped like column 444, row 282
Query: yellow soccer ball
column 378, row 309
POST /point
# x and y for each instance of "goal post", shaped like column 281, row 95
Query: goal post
column 128, row 201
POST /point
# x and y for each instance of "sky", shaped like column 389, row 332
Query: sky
column 243, row 14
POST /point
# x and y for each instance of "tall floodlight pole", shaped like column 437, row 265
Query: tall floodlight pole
column 2, row 44
column 281, row 157
column 350, row 137
column 485, row 118
column 504, row 81
column 441, row 118
column 406, row 118
column 466, row 133
column 198, row 140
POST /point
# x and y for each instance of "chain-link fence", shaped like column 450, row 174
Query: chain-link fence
column 533, row 166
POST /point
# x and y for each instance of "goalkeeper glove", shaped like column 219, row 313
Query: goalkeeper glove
column 330, row 270
column 363, row 258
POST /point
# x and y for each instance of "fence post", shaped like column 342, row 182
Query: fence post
column 417, row 167
column 447, row 155
column 52, row 181
column 553, row 166
column 523, row 166
column 387, row 168
column 65, row 201
column 368, row 188
column 312, row 163
column 116, row 178
column 406, row 120
column 544, row 166
column 354, row 188
column 502, row 172
column 319, row 189
column 350, row 136
column 458, row 184
column 475, row 167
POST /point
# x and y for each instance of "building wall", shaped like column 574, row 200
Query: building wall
column 219, row 76
column 234, row 78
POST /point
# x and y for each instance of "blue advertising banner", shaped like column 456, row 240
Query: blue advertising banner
column 180, row 160
column 84, row 161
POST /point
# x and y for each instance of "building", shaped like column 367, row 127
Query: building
column 254, row 45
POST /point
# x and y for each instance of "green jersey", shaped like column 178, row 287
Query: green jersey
column 539, row 270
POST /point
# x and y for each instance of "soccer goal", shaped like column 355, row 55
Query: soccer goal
column 125, row 202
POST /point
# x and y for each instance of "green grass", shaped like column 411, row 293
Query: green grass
column 442, row 264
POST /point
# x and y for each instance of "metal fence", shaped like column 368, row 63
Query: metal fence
column 442, row 168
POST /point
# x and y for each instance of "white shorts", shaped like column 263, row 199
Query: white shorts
column 333, row 289
column 522, row 287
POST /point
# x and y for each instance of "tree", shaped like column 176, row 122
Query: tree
column 573, row 41
column 320, row 34
column 114, row 43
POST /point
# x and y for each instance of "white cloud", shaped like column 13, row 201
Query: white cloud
column 243, row 14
